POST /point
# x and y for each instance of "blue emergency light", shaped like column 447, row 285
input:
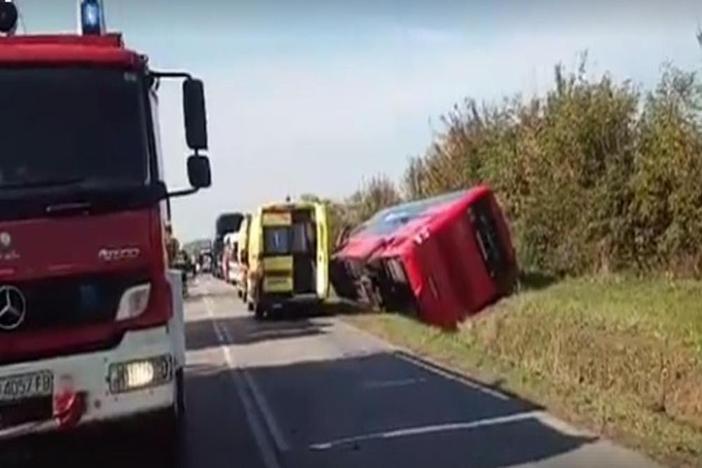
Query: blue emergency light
column 92, row 17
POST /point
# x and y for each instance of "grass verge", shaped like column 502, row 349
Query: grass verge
column 620, row 356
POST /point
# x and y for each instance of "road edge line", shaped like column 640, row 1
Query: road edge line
column 427, row 363
column 261, row 402
column 269, row 455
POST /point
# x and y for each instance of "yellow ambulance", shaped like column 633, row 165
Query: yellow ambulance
column 288, row 252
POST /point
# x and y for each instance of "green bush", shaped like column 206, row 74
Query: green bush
column 594, row 175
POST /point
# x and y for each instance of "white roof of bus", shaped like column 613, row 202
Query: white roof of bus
column 233, row 237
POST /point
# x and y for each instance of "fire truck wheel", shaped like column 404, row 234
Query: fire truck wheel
column 180, row 393
column 169, row 432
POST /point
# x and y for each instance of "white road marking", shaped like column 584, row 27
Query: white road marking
column 373, row 384
column 464, row 381
column 263, row 406
column 407, row 356
column 267, row 452
column 394, row 434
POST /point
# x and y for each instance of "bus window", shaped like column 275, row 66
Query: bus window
column 487, row 236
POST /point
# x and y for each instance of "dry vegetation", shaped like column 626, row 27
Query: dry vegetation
column 621, row 356
column 602, row 183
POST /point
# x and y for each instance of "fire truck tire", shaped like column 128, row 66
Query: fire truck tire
column 170, row 433
column 180, row 393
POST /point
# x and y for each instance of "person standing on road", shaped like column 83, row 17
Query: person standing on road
column 176, row 257
column 172, row 245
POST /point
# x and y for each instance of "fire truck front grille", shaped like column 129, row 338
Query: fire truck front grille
column 74, row 301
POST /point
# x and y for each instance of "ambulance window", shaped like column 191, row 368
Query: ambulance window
column 303, row 238
column 276, row 240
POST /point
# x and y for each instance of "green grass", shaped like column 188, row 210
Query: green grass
column 621, row 356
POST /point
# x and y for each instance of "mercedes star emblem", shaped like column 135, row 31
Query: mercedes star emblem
column 13, row 308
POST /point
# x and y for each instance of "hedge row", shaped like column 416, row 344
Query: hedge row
column 594, row 176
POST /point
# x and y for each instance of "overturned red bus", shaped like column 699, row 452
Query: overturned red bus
column 442, row 258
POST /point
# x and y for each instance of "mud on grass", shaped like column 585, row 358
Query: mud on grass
column 620, row 356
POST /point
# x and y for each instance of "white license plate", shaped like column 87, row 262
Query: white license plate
column 21, row 387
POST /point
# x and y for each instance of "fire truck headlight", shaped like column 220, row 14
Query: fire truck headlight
column 136, row 375
column 134, row 302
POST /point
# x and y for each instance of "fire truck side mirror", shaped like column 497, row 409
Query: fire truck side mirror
column 8, row 18
column 199, row 172
column 195, row 114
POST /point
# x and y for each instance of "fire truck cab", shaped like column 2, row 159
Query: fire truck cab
column 91, row 317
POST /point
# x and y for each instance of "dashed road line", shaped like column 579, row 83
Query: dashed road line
column 412, row 431
column 381, row 384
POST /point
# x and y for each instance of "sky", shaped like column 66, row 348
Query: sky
column 313, row 96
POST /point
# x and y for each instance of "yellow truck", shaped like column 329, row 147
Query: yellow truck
column 288, row 251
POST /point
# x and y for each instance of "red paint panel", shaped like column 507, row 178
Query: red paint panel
column 440, row 252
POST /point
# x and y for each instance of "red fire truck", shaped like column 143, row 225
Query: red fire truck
column 91, row 317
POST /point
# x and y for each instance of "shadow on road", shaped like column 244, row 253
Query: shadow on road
column 199, row 334
column 114, row 446
column 334, row 308
column 495, row 386
column 383, row 411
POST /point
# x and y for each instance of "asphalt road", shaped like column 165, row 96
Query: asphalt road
column 315, row 392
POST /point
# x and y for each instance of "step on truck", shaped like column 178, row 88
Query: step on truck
column 91, row 316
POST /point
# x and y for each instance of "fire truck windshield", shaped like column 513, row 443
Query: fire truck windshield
column 62, row 125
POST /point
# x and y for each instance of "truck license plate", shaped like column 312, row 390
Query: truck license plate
column 21, row 387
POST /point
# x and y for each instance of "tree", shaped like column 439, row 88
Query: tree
column 374, row 195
